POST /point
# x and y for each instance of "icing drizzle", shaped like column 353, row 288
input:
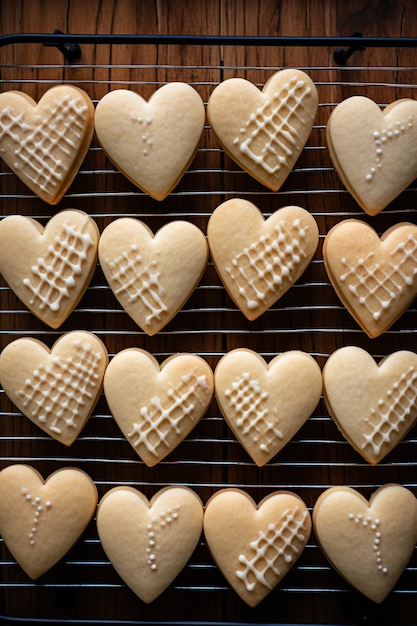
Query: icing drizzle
column 391, row 411
column 269, row 137
column 371, row 524
column 42, row 150
column 278, row 540
column 158, row 524
column 268, row 264
column 392, row 131
column 164, row 415
column 38, row 508
column 57, row 392
column 139, row 282
column 144, row 125
column 54, row 274
column 247, row 400
column 377, row 285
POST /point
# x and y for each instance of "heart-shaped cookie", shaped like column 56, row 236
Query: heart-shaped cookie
column 45, row 143
column 149, row 542
column 375, row 278
column 374, row 151
column 266, row 404
column 151, row 142
column 374, row 405
column 155, row 406
column 255, row 546
column 368, row 543
column 49, row 268
column 40, row 520
column 58, row 388
column 152, row 275
column 258, row 260
column 264, row 132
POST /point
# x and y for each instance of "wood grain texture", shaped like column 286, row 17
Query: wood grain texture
column 309, row 317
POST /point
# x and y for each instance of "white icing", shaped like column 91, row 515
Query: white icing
column 42, row 149
column 377, row 285
column 380, row 139
column 164, row 415
column 54, row 274
column 248, row 402
column 154, row 528
column 139, row 282
column 144, row 131
column 56, row 393
column 373, row 526
column 280, row 539
column 38, row 509
column 392, row 411
column 268, row 264
column 270, row 136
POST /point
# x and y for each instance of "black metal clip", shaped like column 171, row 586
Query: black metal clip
column 341, row 56
column 71, row 52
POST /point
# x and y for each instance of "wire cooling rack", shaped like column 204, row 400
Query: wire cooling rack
column 83, row 587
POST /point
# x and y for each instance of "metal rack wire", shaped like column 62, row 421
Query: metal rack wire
column 309, row 318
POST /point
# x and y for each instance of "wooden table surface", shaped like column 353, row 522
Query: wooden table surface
column 309, row 317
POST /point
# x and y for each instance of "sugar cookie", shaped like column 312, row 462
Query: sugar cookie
column 264, row 132
column 258, row 260
column 149, row 542
column 45, row 143
column 40, row 520
column 151, row 142
column 57, row 388
column 255, row 546
column 152, row 276
column 157, row 406
column 368, row 543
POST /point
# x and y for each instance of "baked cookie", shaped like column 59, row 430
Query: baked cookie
column 157, row 406
column 149, row 542
column 45, row 143
column 368, row 543
column 374, row 277
column 152, row 276
column 57, row 388
column 374, row 151
column 265, row 404
column 49, row 268
column 258, row 260
column 264, row 132
column 374, row 405
column 40, row 520
column 255, row 546
column 151, row 142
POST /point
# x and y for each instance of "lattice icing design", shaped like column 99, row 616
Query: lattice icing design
column 164, row 415
column 372, row 525
column 59, row 390
column 54, row 274
column 38, row 508
column 268, row 264
column 384, row 137
column 247, row 399
column 139, row 281
column 269, row 137
column 278, row 541
column 43, row 148
column 157, row 525
column 377, row 285
column 392, row 411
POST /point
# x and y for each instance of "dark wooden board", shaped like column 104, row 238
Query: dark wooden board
column 309, row 317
